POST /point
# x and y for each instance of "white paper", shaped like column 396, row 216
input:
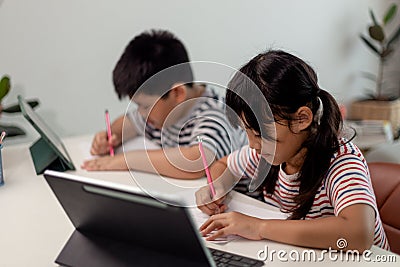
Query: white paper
column 138, row 143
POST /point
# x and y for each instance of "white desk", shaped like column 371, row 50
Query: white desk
column 34, row 228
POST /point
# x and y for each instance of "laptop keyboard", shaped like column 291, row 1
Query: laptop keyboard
column 223, row 258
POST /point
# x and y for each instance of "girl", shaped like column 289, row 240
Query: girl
column 318, row 178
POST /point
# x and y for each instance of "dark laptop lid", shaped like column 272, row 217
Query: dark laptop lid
column 124, row 226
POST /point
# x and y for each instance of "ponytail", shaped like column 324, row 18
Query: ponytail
column 321, row 145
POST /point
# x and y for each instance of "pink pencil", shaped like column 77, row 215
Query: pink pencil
column 3, row 134
column 203, row 156
column 109, row 134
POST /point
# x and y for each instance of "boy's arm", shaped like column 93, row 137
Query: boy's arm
column 180, row 163
column 123, row 128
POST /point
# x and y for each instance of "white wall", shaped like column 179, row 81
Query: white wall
column 63, row 52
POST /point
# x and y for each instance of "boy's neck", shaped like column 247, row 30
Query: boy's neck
column 196, row 91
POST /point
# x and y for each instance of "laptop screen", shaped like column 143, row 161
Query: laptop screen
column 123, row 214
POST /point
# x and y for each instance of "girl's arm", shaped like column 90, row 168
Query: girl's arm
column 355, row 224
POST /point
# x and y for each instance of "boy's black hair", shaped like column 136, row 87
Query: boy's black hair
column 146, row 55
column 287, row 83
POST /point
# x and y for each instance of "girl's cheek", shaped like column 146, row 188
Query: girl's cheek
column 268, row 147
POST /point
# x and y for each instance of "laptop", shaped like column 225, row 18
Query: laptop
column 49, row 151
column 118, row 225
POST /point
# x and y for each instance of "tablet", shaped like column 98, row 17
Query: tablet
column 48, row 152
column 118, row 225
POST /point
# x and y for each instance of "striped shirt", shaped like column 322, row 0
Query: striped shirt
column 347, row 183
column 206, row 119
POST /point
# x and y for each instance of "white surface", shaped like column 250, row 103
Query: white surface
column 34, row 227
column 384, row 153
column 63, row 52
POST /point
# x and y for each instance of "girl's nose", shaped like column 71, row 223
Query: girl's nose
column 255, row 145
column 254, row 142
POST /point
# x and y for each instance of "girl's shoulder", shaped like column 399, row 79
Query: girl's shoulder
column 347, row 149
column 347, row 161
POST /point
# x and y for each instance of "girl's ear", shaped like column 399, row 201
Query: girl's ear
column 178, row 92
column 302, row 119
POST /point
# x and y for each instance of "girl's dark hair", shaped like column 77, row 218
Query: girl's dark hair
column 146, row 55
column 288, row 83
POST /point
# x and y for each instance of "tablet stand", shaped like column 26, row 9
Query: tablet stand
column 44, row 157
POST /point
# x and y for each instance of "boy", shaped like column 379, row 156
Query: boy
column 172, row 111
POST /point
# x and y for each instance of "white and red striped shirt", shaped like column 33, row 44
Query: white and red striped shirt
column 346, row 183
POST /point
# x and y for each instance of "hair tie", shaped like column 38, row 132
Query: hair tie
column 320, row 112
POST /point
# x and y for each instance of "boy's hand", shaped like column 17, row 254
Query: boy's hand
column 100, row 144
column 232, row 223
column 208, row 205
column 107, row 163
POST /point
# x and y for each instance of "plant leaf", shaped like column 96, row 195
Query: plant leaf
column 4, row 86
column 369, row 76
column 386, row 52
column 16, row 108
column 390, row 14
column 373, row 17
column 12, row 130
column 369, row 93
column 394, row 37
column 376, row 33
column 370, row 45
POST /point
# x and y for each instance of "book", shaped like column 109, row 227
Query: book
column 371, row 132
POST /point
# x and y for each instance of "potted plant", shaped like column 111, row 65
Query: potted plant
column 380, row 105
column 11, row 130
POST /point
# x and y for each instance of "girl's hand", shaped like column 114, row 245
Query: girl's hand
column 107, row 163
column 210, row 205
column 231, row 223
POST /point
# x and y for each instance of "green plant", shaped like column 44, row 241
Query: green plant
column 4, row 86
column 381, row 45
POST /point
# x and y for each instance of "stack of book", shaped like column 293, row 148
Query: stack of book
column 371, row 132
